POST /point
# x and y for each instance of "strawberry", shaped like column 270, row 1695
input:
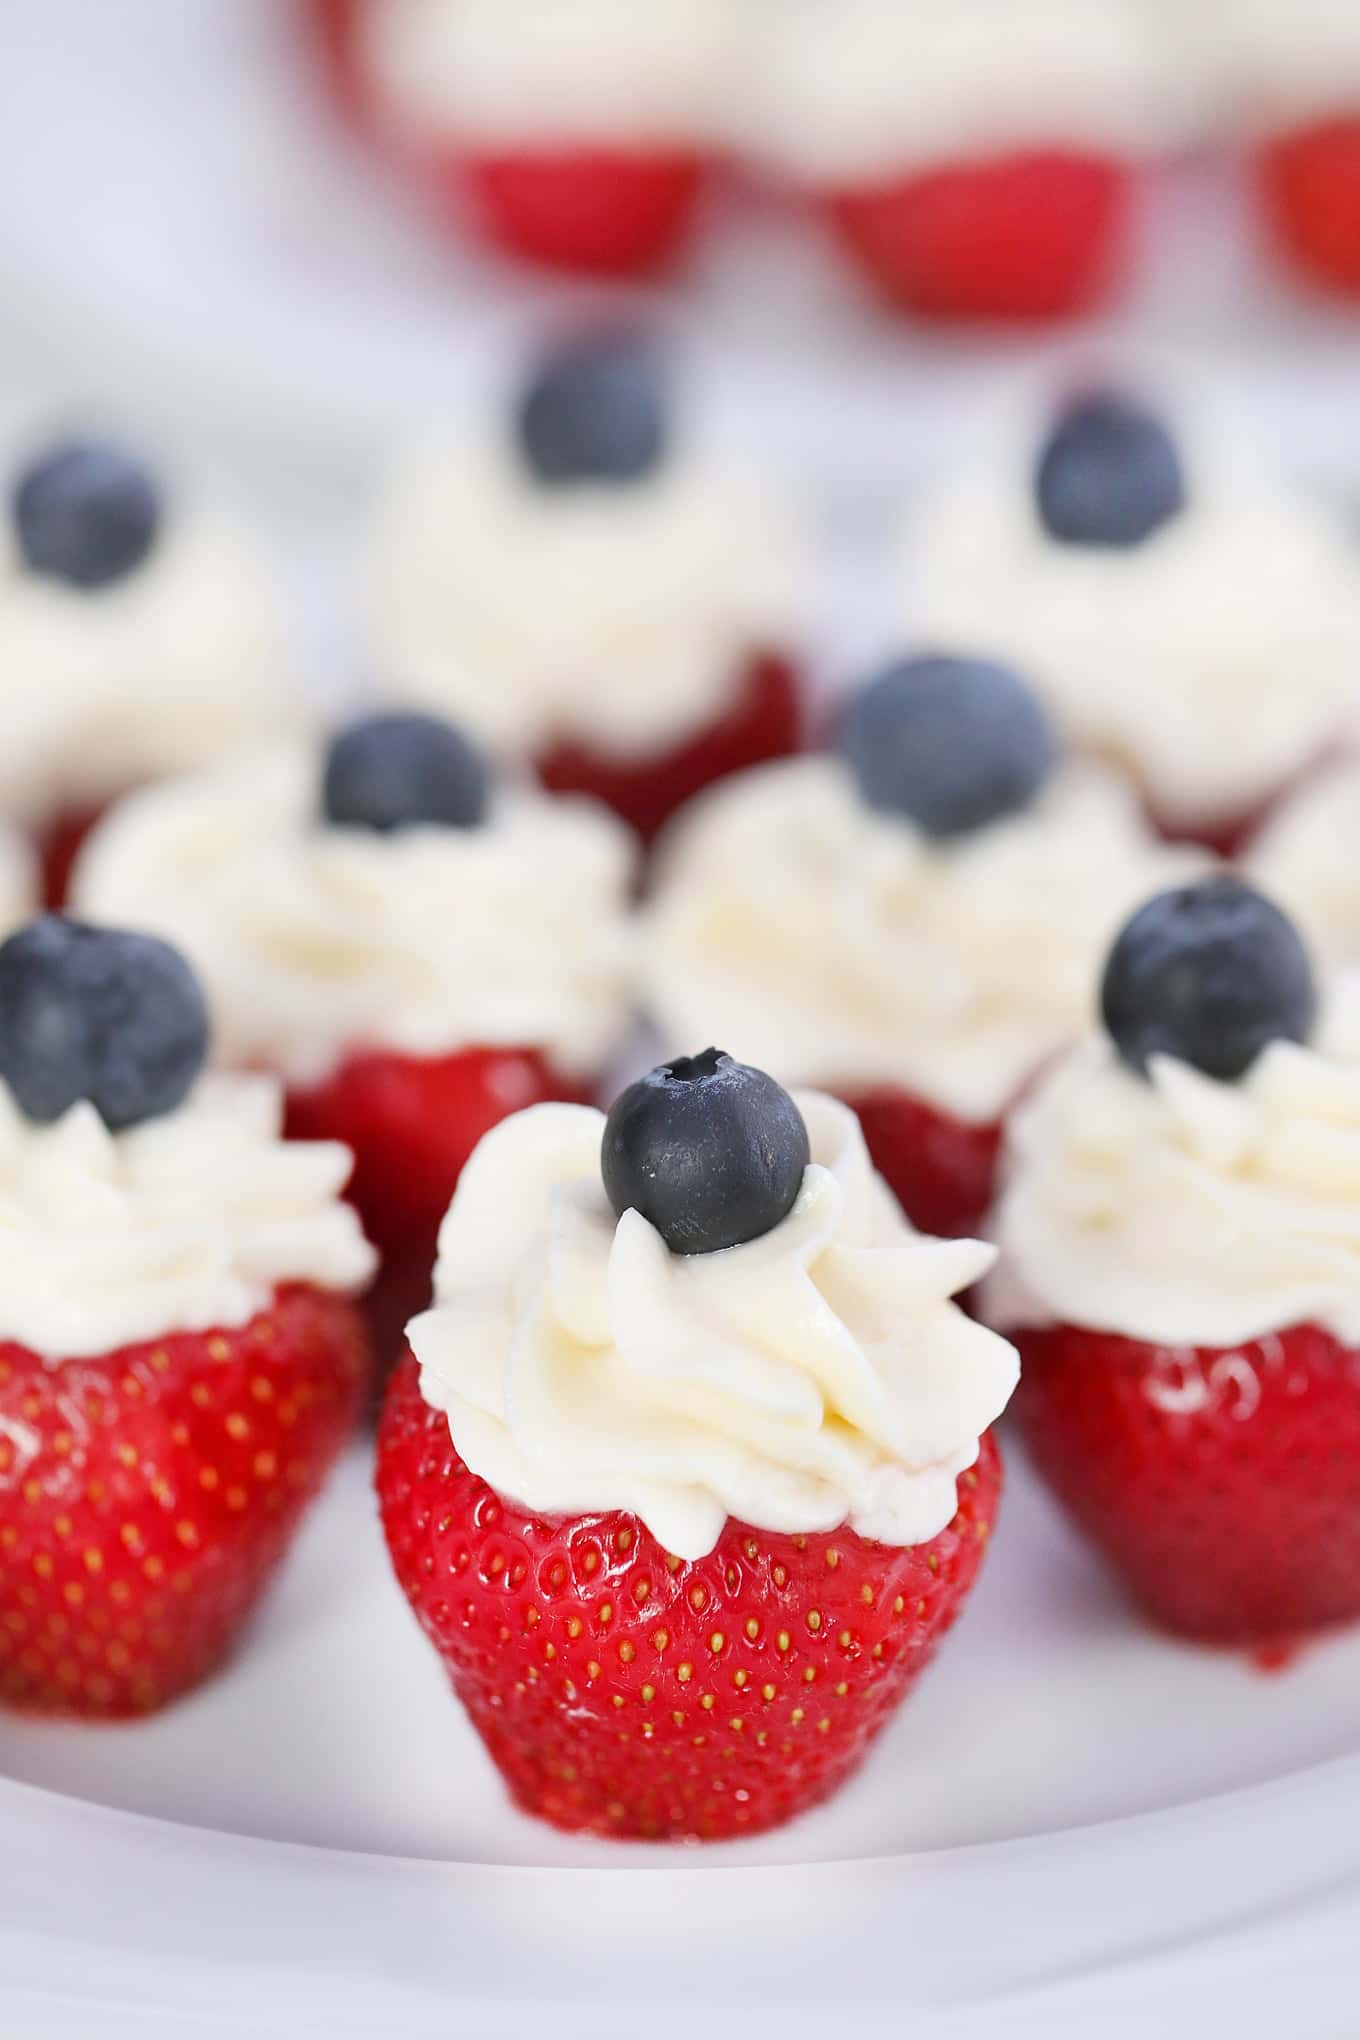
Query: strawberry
column 604, row 211
column 146, row 1497
column 411, row 1123
column 59, row 845
column 764, row 722
column 941, row 1170
column 334, row 28
column 1221, row 1485
column 1310, row 186
column 622, row 1691
column 1024, row 236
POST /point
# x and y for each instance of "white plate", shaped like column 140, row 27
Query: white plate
column 1073, row 1827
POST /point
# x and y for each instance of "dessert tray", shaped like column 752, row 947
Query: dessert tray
column 1074, row 1827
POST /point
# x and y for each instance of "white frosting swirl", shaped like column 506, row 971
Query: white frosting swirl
column 180, row 662
column 621, row 617
column 184, row 1224
column 1184, row 1211
column 814, row 1377
column 314, row 942
column 853, row 90
column 834, row 945
column 1308, row 858
column 1270, row 63
column 1168, row 657
column 536, row 72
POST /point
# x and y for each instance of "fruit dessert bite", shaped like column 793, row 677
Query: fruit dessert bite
column 577, row 136
column 977, row 159
column 689, row 1469
column 914, row 922
column 1180, row 1233
column 180, row 1361
column 1181, row 617
column 592, row 597
column 141, row 638
column 416, row 950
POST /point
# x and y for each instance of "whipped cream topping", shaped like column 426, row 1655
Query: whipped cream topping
column 179, row 663
column 314, row 942
column 817, row 1376
column 1273, row 62
column 183, row 1224
column 1308, row 858
column 1186, row 1211
column 831, row 944
column 1166, row 658
column 852, row 90
column 621, row 617
column 498, row 72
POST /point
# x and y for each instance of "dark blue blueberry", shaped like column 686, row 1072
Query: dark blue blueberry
column 1110, row 474
column 595, row 412
column 1211, row 974
column 950, row 743
column 402, row 771
column 86, row 514
column 100, row 1014
column 710, row 1151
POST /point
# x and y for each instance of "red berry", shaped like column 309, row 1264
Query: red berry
column 1024, row 236
column 764, row 722
column 628, row 1693
column 1221, row 1485
column 941, row 1170
column 1310, row 185
column 59, row 845
column 334, row 27
column 608, row 212
column 147, row 1496
column 412, row 1123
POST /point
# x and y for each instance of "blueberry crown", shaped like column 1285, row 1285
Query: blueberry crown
column 1211, row 974
column 390, row 772
column 85, row 513
column 98, row 1014
column 595, row 412
column 710, row 1151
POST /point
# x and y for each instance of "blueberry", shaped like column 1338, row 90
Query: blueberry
column 1210, row 973
column 710, row 1151
column 1110, row 474
column 86, row 514
column 595, row 412
column 100, row 1014
column 950, row 743
column 389, row 772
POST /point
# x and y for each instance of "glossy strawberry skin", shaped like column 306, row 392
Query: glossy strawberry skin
column 411, row 1124
column 764, row 721
column 1222, row 1486
column 147, row 1496
column 942, row 1170
column 59, row 845
column 608, row 212
column 625, row 1693
column 1310, row 186
column 1029, row 236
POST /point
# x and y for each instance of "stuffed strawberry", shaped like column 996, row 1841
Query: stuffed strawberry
column 416, row 951
column 579, row 137
column 915, row 921
column 592, row 595
column 180, row 1363
column 1181, row 1242
column 688, row 1471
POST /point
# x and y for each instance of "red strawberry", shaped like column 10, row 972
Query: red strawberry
column 59, row 846
column 411, row 1124
column 942, row 1170
column 1024, row 236
column 1222, row 1486
column 607, row 212
column 764, row 722
column 334, row 26
column 146, row 1497
column 625, row 1692
column 1310, row 185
